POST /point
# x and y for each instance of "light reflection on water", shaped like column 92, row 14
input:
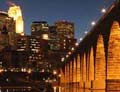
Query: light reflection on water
column 15, row 90
column 93, row 91
column 88, row 90
column 28, row 90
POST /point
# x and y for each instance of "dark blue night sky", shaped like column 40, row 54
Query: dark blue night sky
column 81, row 12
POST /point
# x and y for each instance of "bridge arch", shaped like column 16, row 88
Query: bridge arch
column 100, row 65
column 113, row 60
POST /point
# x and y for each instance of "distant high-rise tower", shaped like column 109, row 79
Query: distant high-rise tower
column 40, row 28
column 7, row 36
column 65, row 32
column 65, row 29
column 7, row 30
column 15, row 12
column 54, row 40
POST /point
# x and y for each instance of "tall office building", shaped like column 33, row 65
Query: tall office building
column 16, row 13
column 20, row 52
column 61, row 40
column 7, row 36
column 39, row 43
column 65, row 29
column 41, row 29
column 37, row 53
column 22, row 43
column 54, row 39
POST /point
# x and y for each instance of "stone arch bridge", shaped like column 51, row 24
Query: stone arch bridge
column 95, row 64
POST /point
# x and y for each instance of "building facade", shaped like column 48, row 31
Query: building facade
column 37, row 52
column 65, row 29
column 40, row 28
column 16, row 13
column 7, row 36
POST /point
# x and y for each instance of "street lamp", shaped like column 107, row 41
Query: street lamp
column 62, row 59
column 54, row 72
column 93, row 23
column 29, row 71
column 72, row 49
column 57, row 76
column 103, row 10
column 1, row 70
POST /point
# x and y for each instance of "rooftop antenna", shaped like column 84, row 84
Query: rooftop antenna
column 11, row 3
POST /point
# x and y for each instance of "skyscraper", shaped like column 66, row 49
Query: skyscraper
column 65, row 29
column 54, row 39
column 37, row 52
column 7, row 36
column 39, row 43
column 16, row 13
column 41, row 29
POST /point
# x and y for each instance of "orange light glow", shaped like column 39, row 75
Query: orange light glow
column 15, row 12
column 45, row 36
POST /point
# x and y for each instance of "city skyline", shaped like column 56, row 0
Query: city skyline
column 74, row 11
column 50, row 59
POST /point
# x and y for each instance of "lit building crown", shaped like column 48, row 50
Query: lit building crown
column 15, row 12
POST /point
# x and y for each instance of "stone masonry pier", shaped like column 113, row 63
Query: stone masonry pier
column 95, row 64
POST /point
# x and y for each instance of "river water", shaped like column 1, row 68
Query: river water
column 29, row 90
column 87, row 90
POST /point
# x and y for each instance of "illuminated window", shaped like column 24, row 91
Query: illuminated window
column 45, row 36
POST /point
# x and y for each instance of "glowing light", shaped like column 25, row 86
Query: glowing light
column 43, row 70
column 80, row 39
column 72, row 49
column 22, row 34
column 19, row 25
column 67, row 56
column 59, row 75
column 63, row 59
column 76, row 44
column 15, row 12
column 43, row 78
column 93, row 23
column 12, row 70
column 1, row 70
column 5, row 70
column 54, row 81
column 45, row 36
column 54, row 72
column 69, row 53
column 29, row 71
column 46, row 80
column 7, row 79
column 85, row 32
column 103, row 10
column 23, row 69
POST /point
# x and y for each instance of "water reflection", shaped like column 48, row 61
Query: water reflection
column 79, row 90
column 14, row 90
column 97, row 91
column 87, row 90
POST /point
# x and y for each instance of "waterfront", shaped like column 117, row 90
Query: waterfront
column 52, row 60
column 88, row 90
column 30, row 90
